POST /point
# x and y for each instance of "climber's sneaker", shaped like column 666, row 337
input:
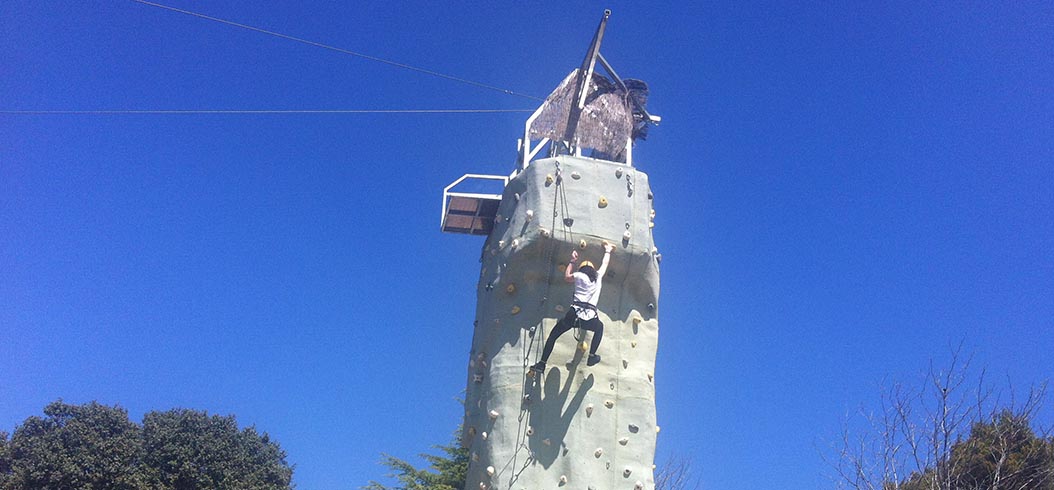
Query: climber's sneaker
column 538, row 368
column 593, row 359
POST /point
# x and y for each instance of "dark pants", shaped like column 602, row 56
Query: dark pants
column 567, row 323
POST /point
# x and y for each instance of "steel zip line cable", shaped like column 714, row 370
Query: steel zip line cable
column 340, row 50
column 266, row 111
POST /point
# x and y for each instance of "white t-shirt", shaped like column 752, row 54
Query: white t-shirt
column 586, row 292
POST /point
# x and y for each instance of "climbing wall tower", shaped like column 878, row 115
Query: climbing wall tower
column 573, row 426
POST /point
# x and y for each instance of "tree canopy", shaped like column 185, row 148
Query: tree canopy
column 1002, row 453
column 94, row 446
column 951, row 431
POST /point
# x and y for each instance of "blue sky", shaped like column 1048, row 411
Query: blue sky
column 843, row 191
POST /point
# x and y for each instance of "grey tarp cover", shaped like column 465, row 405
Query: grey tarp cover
column 606, row 122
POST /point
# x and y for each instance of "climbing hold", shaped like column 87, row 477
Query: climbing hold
column 501, row 243
column 639, row 485
column 545, row 233
column 633, row 428
column 532, row 330
column 568, row 222
column 589, row 410
column 625, row 364
column 482, row 486
column 652, row 214
column 626, row 472
column 603, row 203
column 493, row 414
column 530, row 215
column 598, row 453
column 584, row 346
column 515, row 242
column 658, row 258
column 490, row 471
column 633, row 344
column 656, row 429
column 618, row 173
column 489, row 286
column 609, row 403
column 483, row 363
column 582, row 244
column 549, row 179
column 530, row 431
column 576, row 175
column 472, row 363
column 624, row 441
column 612, row 386
column 651, row 377
column 516, row 195
column 651, row 306
column 515, row 310
column 651, row 224
column 511, row 288
column 477, row 378
column 650, row 196
column 497, row 218
column 471, row 433
column 483, row 436
column 547, row 442
column 626, row 236
column 563, row 479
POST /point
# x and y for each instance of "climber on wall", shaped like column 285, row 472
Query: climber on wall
column 583, row 311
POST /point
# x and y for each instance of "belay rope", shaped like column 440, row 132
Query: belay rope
column 559, row 207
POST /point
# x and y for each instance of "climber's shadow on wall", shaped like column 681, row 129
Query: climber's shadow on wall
column 551, row 412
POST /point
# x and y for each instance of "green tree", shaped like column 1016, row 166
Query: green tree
column 89, row 446
column 188, row 449
column 446, row 471
column 1003, row 453
column 92, row 446
column 951, row 431
column 5, row 459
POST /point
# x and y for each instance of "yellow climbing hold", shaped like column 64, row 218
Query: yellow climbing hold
column 603, row 203
column 584, row 346
column 549, row 179
column 582, row 244
column 511, row 288
column 515, row 310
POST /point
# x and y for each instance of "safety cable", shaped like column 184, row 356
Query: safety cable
column 340, row 50
column 262, row 111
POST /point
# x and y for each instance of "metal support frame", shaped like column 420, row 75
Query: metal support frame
column 448, row 194
column 528, row 151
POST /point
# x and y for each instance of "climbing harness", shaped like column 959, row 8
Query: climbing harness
column 580, row 334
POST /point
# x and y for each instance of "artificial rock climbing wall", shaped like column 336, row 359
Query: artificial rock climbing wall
column 575, row 426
